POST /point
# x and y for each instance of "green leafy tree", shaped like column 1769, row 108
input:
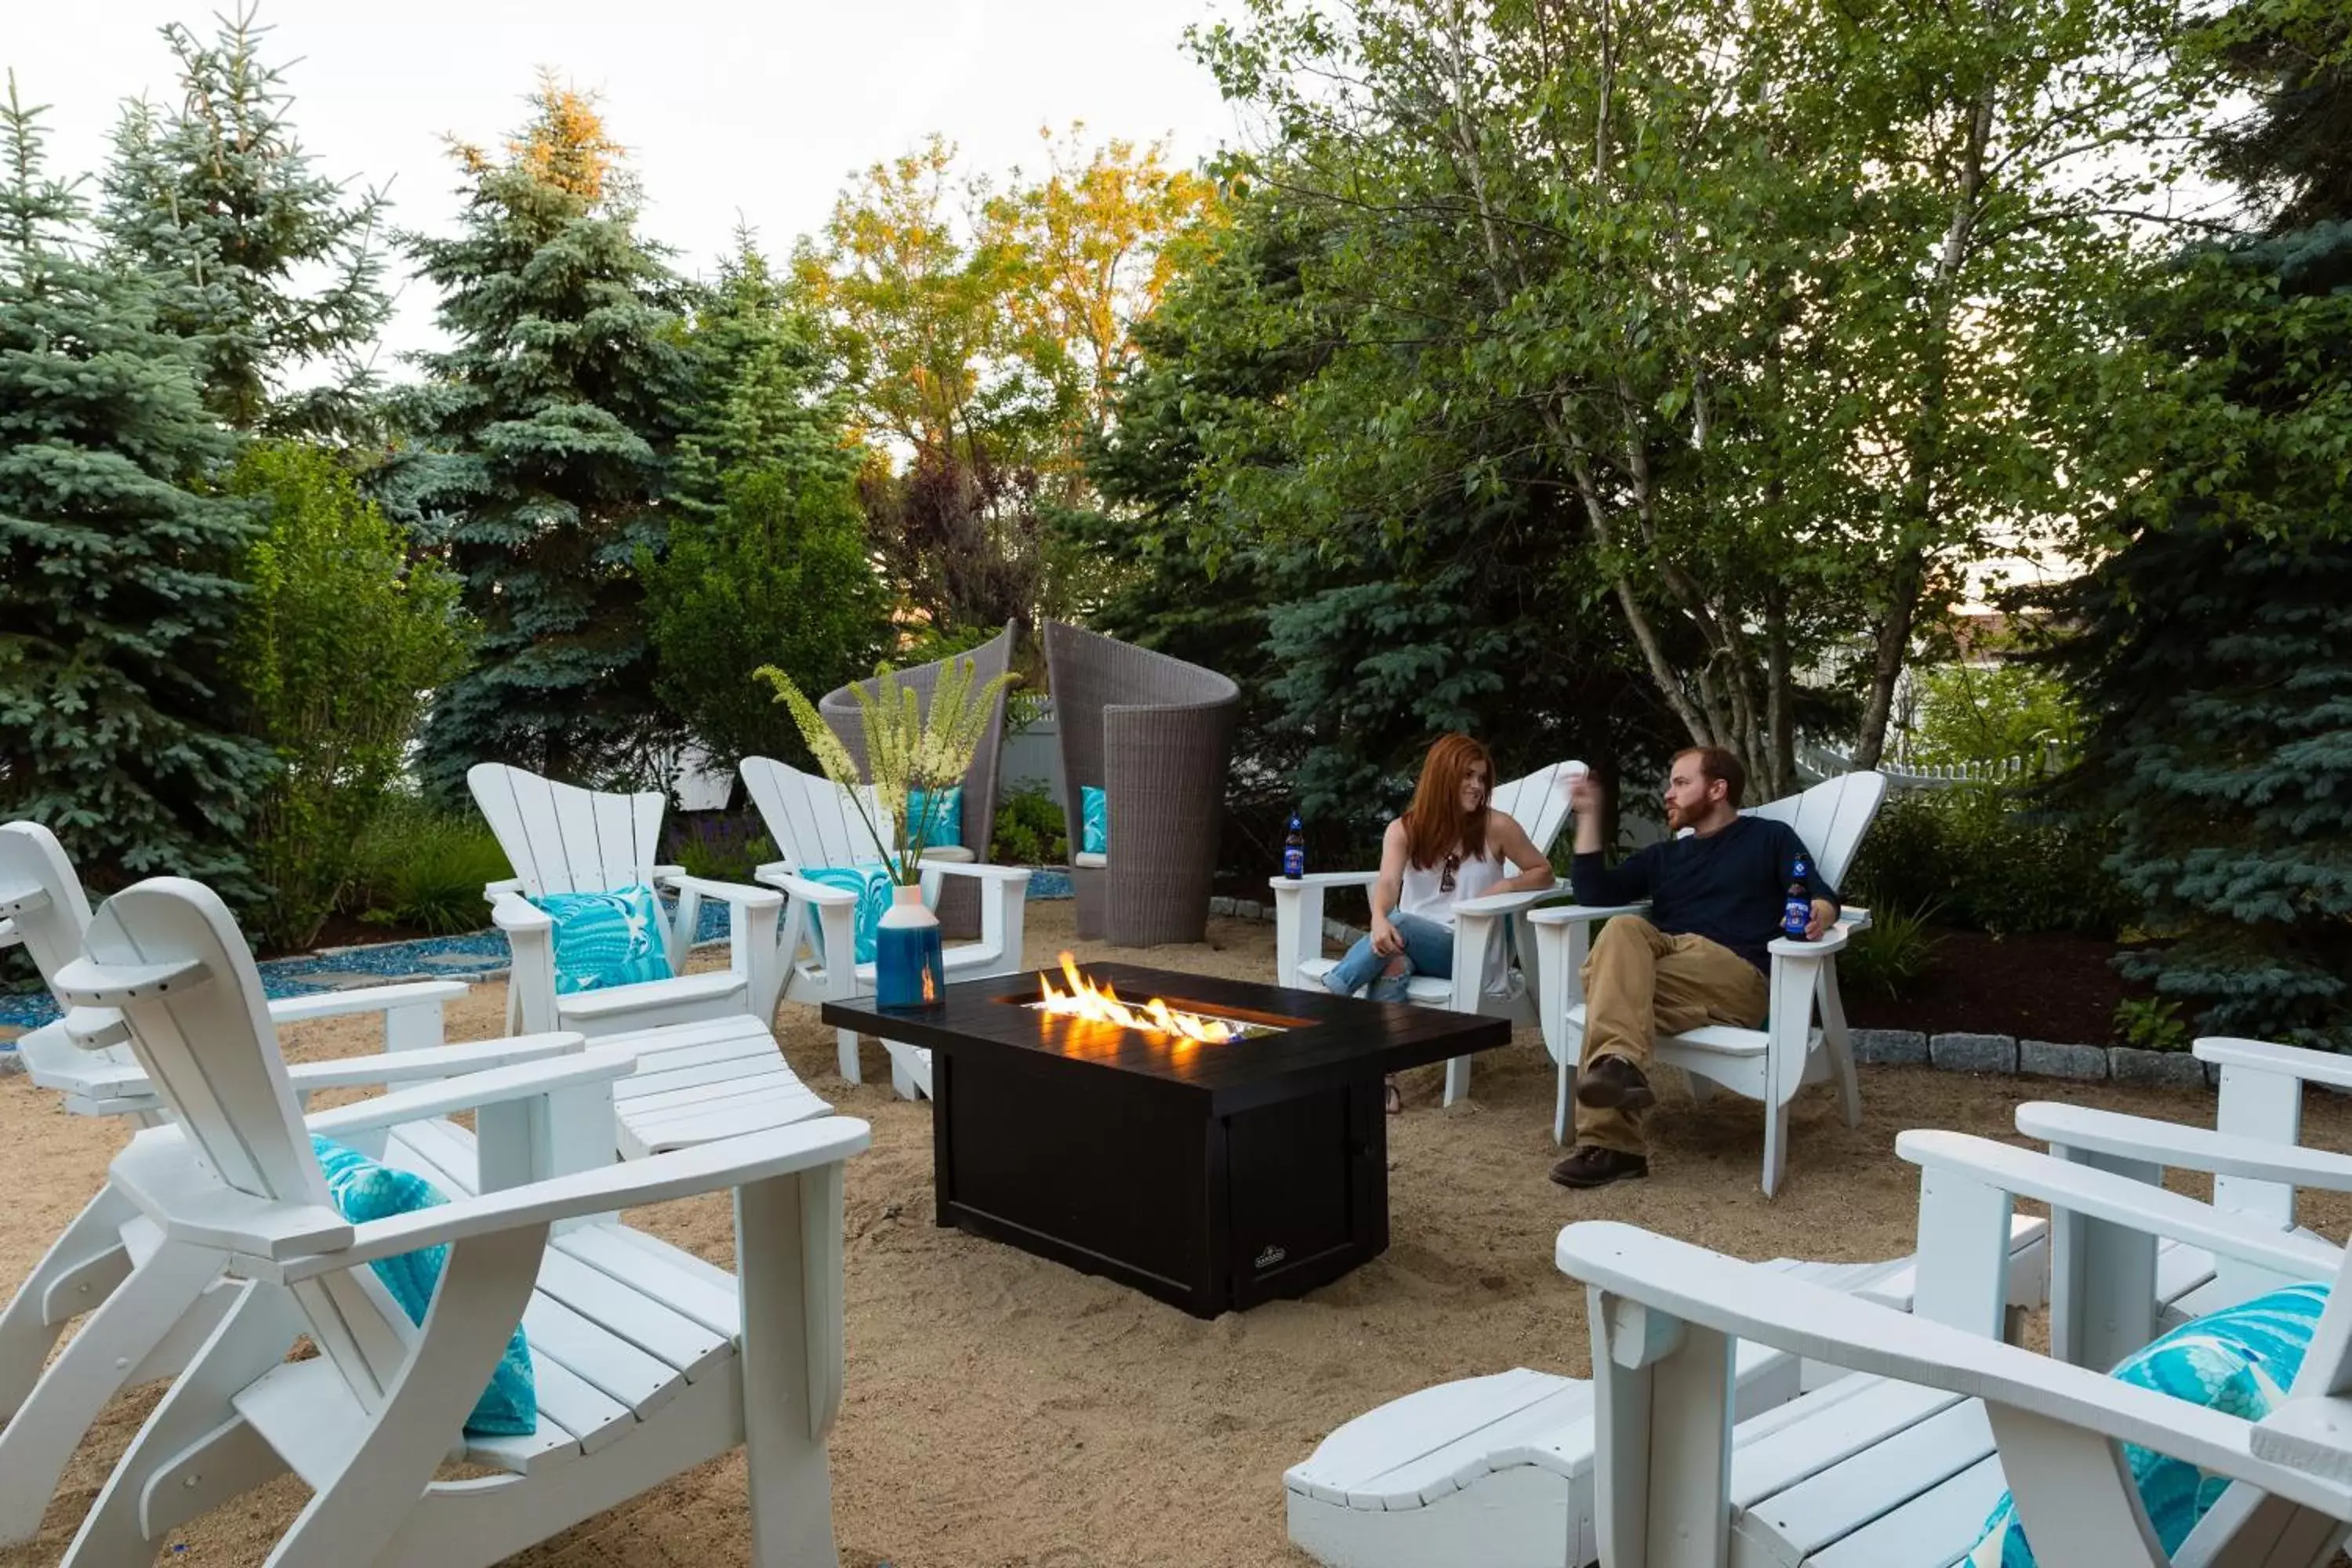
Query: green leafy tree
column 264, row 262
column 118, row 586
column 2212, row 646
column 338, row 644
column 538, row 453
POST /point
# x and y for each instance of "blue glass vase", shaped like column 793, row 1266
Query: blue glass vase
column 910, row 967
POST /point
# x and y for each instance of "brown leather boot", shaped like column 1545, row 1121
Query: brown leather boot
column 1615, row 1084
column 1588, row 1165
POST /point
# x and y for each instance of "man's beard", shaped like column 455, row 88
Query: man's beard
column 1673, row 818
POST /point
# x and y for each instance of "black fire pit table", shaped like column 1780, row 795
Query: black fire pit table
column 1211, row 1174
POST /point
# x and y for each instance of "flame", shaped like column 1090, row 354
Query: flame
column 1084, row 999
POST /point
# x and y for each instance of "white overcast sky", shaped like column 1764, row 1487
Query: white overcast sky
column 727, row 109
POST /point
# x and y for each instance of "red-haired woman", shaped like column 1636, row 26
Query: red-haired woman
column 1448, row 847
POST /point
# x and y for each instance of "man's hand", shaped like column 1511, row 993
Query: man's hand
column 1585, row 800
column 1825, row 914
column 1385, row 940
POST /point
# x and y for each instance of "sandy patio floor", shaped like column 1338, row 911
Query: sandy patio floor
column 1003, row 1411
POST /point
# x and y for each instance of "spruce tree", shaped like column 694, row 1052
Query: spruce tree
column 2213, row 648
column 268, row 264
column 537, row 453
column 118, row 590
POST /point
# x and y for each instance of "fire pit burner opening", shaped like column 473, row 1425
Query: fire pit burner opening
column 1101, row 1003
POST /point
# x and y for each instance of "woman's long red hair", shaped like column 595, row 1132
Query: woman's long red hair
column 1434, row 823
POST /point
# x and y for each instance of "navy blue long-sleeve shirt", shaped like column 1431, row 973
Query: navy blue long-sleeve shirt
column 1727, row 886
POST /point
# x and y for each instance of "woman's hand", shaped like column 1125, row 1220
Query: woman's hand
column 1385, row 940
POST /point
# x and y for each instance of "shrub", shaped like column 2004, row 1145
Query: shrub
column 420, row 868
column 1892, row 952
column 1030, row 829
column 1992, row 862
column 722, row 847
column 339, row 638
column 2151, row 1023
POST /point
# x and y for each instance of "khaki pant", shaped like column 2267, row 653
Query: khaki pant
column 1639, row 981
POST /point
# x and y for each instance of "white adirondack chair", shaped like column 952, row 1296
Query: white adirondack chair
column 561, row 839
column 1486, row 931
column 646, row 1360
column 1898, row 1466
column 815, row 824
column 1803, row 1039
column 1496, row 1471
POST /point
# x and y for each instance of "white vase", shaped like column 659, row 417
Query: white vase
column 908, row 965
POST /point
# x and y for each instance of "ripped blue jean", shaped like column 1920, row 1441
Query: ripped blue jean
column 1428, row 950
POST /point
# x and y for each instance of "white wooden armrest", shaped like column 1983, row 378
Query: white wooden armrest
column 730, row 893
column 1826, row 945
column 2118, row 1200
column 815, row 893
column 350, row 1072
column 1763, row 1306
column 705, row 1167
column 1581, row 914
column 364, row 999
column 2187, row 1148
column 158, row 1171
column 95, row 1028
column 474, row 1090
column 8, row 934
column 1509, row 903
column 980, row 871
column 514, row 914
column 1323, row 880
column 2294, row 1061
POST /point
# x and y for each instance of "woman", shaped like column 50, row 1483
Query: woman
column 1448, row 847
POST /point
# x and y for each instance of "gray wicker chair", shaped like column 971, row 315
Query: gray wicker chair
column 1155, row 734
column 959, row 910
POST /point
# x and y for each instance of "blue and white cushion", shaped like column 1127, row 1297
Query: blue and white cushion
column 871, row 881
column 2240, row 1360
column 1094, row 818
column 604, row 940
column 945, row 828
column 363, row 1190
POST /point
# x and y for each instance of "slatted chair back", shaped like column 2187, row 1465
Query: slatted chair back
column 1830, row 818
column 811, row 819
column 43, row 904
column 168, row 953
column 1538, row 803
column 561, row 839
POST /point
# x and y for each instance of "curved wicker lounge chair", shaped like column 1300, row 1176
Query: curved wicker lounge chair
column 959, row 910
column 1155, row 734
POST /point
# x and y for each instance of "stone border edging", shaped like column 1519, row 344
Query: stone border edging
column 1952, row 1052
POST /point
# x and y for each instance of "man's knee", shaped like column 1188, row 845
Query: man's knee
column 1621, row 933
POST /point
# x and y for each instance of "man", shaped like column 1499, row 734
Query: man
column 1700, row 957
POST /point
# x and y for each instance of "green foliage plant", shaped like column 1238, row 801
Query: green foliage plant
column 1893, row 952
column 119, row 560
column 2150, row 1023
column 1968, row 713
column 907, row 748
column 424, row 870
column 1031, row 830
column 340, row 640
column 1988, row 857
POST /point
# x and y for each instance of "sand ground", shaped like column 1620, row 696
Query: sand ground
column 1004, row 1412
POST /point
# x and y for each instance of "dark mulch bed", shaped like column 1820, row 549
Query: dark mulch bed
column 2048, row 986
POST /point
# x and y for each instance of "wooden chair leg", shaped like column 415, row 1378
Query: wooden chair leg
column 845, row 1045
column 1457, row 1078
column 483, row 1287
column 89, row 1261
column 128, row 1324
column 1559, row 1105
column 194, row 1452
column 1776, row 1145
column 788, row 1259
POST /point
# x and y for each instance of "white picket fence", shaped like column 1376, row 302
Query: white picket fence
column 1819, row 761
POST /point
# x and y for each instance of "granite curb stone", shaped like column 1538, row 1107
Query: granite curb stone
column 2161, row 1069
column 1973, row 1053
column 2050, row 1058
column 1889, row 1047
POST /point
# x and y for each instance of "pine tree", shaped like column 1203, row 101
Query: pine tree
column 263, row 261
column 539, row 453
column 2213, row 649
column 117, row 569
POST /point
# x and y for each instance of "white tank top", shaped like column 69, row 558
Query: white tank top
column 1472, row 880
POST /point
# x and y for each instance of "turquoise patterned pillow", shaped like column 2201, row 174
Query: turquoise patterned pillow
column 945, row 828
column 2240, row 1360
column 871, row 882
column 363, row 1190
column 604, row 940
column 1094, row 815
